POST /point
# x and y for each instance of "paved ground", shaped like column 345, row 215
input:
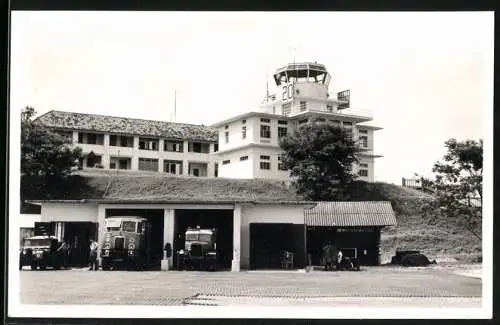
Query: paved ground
column 432, row 286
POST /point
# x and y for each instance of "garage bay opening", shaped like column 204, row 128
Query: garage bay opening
column 133, row 239
column 194, row 222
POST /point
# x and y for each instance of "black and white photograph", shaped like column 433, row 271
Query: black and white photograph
column 250, row 164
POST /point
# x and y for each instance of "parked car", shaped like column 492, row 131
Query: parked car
column 411, row 258
column 41, row 252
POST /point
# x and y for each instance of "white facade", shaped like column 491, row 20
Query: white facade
column 243, row 216
column 151, row 158
column 297, row 100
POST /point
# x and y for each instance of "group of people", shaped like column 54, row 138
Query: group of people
column 332, row 257
column 65, row 249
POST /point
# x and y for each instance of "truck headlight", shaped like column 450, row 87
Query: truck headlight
column 106, row 252
column 131, row 246
column 107, row 246
column 130, row 252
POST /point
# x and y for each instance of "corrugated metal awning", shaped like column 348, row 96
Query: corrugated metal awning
column 351, row 214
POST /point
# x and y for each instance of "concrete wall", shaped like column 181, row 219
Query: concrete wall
column 265, row 214
column 70, row 212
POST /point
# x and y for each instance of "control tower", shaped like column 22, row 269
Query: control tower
column 302, row 87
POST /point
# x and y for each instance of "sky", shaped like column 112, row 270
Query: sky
column 424, row 77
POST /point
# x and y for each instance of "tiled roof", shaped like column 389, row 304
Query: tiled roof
column 351, row 214
column 122, row 125
column 179, row 189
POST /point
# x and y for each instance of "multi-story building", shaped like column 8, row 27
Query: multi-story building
column 243, row 146
column 135, row 144
column 249, row 143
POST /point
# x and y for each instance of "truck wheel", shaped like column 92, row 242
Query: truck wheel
column 33, row 267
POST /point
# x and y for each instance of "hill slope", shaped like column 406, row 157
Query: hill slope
column 439, row 239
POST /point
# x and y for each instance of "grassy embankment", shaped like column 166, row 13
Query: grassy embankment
column 440, row 238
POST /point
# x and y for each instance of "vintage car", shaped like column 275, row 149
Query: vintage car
column 200, row 250
column 410, row 258
column 126, row 243
column 41, row 252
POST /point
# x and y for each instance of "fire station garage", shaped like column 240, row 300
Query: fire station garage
column 352, row 227
column 257, row 221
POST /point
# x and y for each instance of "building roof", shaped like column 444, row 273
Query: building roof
column 351, row 214
column 123, row 125
column 179, row 190
column 246, row 115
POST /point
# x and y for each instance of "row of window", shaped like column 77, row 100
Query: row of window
column 145, row 143
column 265, row 162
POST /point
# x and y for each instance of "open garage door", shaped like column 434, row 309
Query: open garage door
column 156, row 218
column 221, row 220
column 268, row 242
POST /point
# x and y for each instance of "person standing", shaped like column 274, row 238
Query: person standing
column 93, row 255
column 339, row 260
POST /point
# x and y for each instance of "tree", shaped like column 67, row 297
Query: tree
column 47, row 158
column 458, row 184
column 320, row 156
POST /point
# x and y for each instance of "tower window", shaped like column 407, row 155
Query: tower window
column 265, row 120
column 280, row 163
column 243, row 158
column 363, row 141
column 363, row 131
column 282, row 132
column 226, row 136
column 265, row 165
column 243, row 132
column 363, row 173
column 303, row 106
column 243, row 121
column 286, row 108
column 329, row 108
column 265, row 131
column 226, row 162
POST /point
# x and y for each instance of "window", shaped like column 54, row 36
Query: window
column 216, row 147
column 243, row 121
column 282, row 122
column 91, row 138
column 265, row 165
column 199, row 147
column 226, row 136
column 148, row 164
column 149, row 144
column 282, row 132
column 173, row 146
column 363, row 173
column 226, row 127
column 286, row 108
column 348, row 124
column 121, row 141
column 363, row 140
column 128, row 226
column 216, row 170
column 226, row 162
column 243, row 132
column 329, row 108
column 363, row 165
column 303, row 106
column 303, row 121
column 265, row 120
column 363, row 131
column 280, row 163
column 265, row 131
column 243, row 158
column 336, row 122
column 172, row 167
column 265, row 157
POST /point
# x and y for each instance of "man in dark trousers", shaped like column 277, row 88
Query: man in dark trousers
column 93, row 255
